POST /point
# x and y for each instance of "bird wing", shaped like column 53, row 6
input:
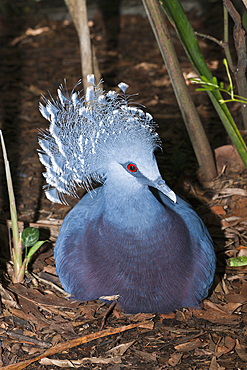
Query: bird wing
column 73, row 230
column 185, row 210
column 203, row 249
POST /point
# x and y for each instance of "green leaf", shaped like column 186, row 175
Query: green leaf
column 33, row 250
column 222, row 85
column 204, row 79
column 206, row 88
column 238, row 261
column 30, row 236
column 215, row 82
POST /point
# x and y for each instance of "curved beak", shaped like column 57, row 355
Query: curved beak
column 161, row 185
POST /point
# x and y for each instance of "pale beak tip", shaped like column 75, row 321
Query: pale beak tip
column 174, row 198
column 162, row 186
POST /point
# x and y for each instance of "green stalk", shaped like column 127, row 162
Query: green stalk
column 17, row 250
column 226, row 38
column 178, row 18
column 191, row 118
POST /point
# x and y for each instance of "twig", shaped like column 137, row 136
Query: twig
column 108, row 312
column 73, row 343
column 219, row 42
column 53, row 285
column 29, row 340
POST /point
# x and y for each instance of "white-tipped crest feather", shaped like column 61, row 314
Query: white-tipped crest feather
column 91, row 79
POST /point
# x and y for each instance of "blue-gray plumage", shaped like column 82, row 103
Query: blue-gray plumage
column 132, row 237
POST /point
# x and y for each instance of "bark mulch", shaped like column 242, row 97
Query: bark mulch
column 40, row 328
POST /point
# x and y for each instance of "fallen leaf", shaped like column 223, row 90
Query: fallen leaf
column 89, row 310
column 78, row 363
column 37, row 31
column 119, row 350
column 218, row 210
column 216, row 317
column 60, row 363
column 30, row 340
column 202, row 352
column 214, row 365
column 233, row 191
column 232, row 307
column 148, row 325
column 188, row 346
column 228, row 156
column 242, row 251
column 33, row 295
column 241, row 351
column 32, row 314
column 175, row 359
column 34, row 350
column 110, row 297
column 165, row 316
column 228, row 308
column 142, row 316
column 238, row 298
column 56, row 339
column 62, row 326
column 102, row 360
column 50, row 269
column 146, row 355
column 226, row 346
column 213, row 306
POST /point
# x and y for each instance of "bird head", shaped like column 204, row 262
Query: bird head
column 99, row 137
column 133, row 165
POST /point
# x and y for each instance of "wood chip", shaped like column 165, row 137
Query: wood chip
column 189, row 346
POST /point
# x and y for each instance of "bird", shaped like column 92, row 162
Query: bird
column 130, row 238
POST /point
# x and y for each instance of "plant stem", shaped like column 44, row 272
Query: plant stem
column 188, row 39
column 240, row 45
column 226, row 39
column 17, row 250
column 191, row 118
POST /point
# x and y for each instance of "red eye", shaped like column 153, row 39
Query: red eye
column 132, row 167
